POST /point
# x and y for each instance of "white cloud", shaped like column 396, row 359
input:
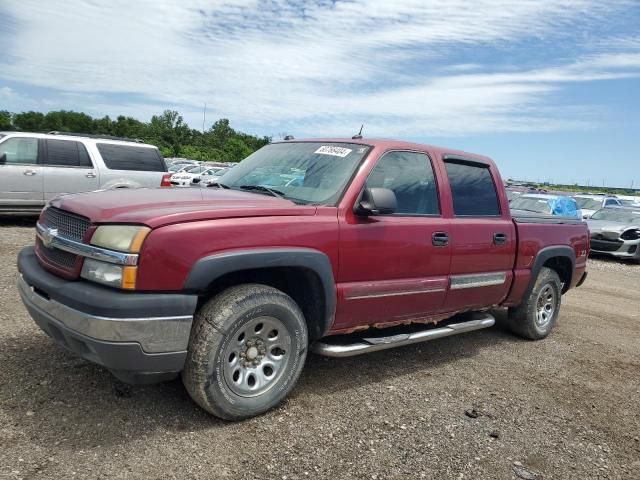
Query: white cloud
column 317, row 68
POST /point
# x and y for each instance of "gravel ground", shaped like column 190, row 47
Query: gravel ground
column 480, row 405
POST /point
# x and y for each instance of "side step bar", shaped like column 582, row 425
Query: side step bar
column 481, row 320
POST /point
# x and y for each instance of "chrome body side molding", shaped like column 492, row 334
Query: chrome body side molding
column 476, row 280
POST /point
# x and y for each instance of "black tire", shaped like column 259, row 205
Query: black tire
column 525, row 320
column 218, row 324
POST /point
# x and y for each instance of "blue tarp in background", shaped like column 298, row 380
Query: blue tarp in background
column 564, row 206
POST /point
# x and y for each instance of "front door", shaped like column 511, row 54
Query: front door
column 20, row 173
column 390, row 269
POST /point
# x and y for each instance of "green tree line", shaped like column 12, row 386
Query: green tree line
column 167, row 131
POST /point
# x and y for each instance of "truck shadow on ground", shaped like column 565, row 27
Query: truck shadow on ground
column 18, row 221
column 85, row 406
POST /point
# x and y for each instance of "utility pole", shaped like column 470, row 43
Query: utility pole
column 204, row 116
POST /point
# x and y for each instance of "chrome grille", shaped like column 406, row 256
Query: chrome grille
column 57, row 257
column 68, row 224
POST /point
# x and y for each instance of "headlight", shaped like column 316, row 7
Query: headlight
column 109, row 274
column 632, row 234
column 123, row 238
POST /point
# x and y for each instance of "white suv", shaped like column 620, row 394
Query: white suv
column 36, row 167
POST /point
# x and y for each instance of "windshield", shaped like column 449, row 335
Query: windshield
column 538, row 205
column 617, row 215
column 196, row 169
column 304, row 172
column 630, row 203
column 588, row 203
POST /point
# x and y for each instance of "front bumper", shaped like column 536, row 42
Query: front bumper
column 618, row 248
column 140, row 337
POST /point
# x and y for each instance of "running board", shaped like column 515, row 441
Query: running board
column 366, row 345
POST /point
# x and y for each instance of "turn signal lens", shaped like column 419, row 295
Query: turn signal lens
column 129, row 277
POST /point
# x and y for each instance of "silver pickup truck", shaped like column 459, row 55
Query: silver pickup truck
column 36, row 167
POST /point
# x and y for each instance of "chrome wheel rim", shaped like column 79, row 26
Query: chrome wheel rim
column 255, row 358
column 545, row 306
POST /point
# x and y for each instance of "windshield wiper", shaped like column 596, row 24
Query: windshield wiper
column 219, row 185
column 262, row 188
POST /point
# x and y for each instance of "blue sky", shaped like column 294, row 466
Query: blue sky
column 549, row 88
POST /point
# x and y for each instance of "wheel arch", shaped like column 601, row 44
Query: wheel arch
column 304, row 274
column 561, row 259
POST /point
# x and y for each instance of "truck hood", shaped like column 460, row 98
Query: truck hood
column 162, row 206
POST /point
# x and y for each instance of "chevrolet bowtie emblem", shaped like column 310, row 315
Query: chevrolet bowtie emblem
column 48, row 235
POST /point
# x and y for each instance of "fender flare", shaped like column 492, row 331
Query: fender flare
column 545, row 254
column 206, row 270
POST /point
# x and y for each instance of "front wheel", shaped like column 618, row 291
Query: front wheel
column 246, row 351
column 537, row 315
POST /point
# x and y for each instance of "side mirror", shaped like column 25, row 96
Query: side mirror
column 3, row 159
column 376, row 201
column 585, row 216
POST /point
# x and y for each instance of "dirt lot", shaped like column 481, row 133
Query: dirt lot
column 566, row 407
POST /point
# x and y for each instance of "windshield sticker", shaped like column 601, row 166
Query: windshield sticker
column 335, row 151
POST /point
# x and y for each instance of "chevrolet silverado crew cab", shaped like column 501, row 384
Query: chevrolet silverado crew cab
column 377, row 244
column 36, row 167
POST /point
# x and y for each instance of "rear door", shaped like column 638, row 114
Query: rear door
column 390, row 269
column 21, row 182
column 483, row 240
column 67, row 168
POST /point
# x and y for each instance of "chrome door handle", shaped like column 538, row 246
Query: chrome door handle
column 90, row 175
column 499, row 238
column 440, row 239
column 29, row 172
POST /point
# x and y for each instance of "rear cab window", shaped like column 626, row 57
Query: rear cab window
column 472, row 189
column 129, row 157
column 67, row 153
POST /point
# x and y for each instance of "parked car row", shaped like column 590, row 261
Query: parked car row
column 196, row 174
column 190, row 173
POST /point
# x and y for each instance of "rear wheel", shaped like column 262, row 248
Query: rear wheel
column 537, row 315
column 247, row 349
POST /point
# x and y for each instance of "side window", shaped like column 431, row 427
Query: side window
column 125, row 157
column 474, row 193
column 410, row 176
column 19, row 151
column 67, row 153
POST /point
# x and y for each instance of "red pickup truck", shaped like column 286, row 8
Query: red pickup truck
column 314, row 244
